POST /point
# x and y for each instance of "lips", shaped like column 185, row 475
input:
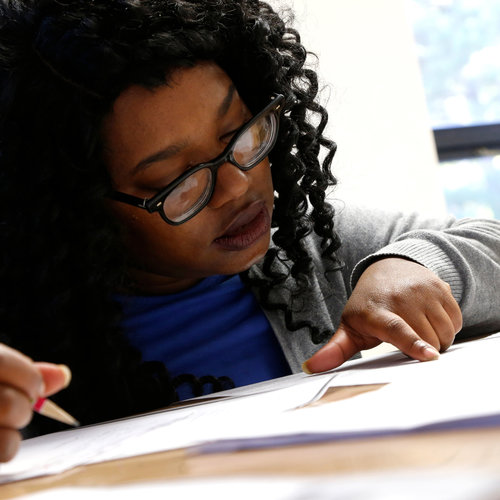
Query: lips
column 246, row 228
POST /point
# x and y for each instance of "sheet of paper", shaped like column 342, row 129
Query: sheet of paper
column 201, row 421
column 458, row 389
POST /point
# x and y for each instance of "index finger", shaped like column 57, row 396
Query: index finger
column 393, row 329
column 55, row 377
column 19, row 371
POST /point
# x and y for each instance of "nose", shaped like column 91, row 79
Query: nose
column 232, row 183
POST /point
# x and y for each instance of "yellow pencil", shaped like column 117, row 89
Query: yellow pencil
column 49, row 409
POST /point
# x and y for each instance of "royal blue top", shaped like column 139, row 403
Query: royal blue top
column 214, row 328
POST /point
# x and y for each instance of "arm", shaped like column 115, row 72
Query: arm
column 416, row 283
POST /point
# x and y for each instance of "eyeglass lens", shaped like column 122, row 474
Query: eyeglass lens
column 248, row 150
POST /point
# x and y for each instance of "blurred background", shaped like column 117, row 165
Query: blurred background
column 413, row 92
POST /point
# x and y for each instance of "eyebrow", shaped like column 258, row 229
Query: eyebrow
column 226, row 103
column 174, row 149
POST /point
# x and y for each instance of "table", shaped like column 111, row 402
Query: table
column 475, row 449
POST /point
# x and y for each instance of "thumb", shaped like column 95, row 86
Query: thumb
column 339, row 349
column 55, row 377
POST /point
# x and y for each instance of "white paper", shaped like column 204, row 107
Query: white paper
column 458, row 389
column 204, row 420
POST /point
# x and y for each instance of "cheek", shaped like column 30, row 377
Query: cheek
column 262, row 179
column 158, row 247
column 146, row 236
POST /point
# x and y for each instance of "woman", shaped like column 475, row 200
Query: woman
column 164, row 225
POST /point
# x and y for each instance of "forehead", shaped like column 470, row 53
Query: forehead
column 200, row 86
column 142, row 118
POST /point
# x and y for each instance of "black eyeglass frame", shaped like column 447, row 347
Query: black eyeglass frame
column 155, row 203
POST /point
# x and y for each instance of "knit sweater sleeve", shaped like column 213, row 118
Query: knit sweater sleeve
column 464, row 253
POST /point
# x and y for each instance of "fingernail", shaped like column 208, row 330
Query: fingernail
column 41, row 390
column 429, row 351
column 67, row 375
column 305, row 369
column 432, row 353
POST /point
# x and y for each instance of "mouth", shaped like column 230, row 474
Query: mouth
column 246, row 228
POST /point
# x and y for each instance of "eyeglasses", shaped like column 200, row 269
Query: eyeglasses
column 187, row 195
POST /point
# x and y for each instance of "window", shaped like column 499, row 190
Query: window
column 458, row 45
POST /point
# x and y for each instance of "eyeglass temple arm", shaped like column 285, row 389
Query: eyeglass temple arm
column 130, row 200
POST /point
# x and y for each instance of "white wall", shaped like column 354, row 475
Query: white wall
column 372, row 89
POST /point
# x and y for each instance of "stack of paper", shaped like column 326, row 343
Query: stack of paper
column 383, row 395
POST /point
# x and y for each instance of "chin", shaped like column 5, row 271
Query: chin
column 238, row 266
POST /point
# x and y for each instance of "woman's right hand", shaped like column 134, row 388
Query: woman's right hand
column 22, row 382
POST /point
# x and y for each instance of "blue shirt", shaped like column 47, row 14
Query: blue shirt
column 214, row 328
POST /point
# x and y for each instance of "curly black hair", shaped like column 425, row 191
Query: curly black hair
column 62, row 65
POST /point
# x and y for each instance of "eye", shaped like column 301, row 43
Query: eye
column 226, row 138
column 229, row 135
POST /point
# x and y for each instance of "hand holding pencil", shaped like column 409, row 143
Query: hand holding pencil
column 24, row 385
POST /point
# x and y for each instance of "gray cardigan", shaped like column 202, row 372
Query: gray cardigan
column 464, row 253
